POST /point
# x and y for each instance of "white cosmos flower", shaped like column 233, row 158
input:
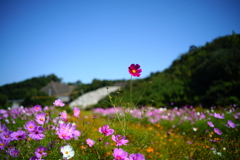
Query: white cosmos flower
column 67, row 151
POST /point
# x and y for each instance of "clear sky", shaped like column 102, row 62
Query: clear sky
column 87, row 39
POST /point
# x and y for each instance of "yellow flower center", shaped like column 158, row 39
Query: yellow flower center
column 31, row 127
column 134, row 71
column 40, row 152
column 66, row 152
column 7, row 136
column 41, row 119
column 1, row 144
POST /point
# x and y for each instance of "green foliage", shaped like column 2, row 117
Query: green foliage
column 28, row 89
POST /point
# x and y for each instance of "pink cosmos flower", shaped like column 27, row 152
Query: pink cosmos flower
column 90, row 142
column 40, row 118
column 13, row 152
column 105, row 130
column 217, row 115
column 76, row 111
column 231, row 124
column 30, row 125
column 119, row 154
column 120, row 140
column 137, row 156
column 218, row 131
column 37, row 133
column 37, row 108
column 18, row 135
column 210, row 124
column 134, row 70
column 3, row 143
column 63, row 115
column 58, row 103
column 39, row 153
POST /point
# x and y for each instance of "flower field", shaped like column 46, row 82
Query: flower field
column 120, row 133
column 146, row 133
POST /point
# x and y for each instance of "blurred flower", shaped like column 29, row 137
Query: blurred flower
column 195, row 129
column 40, row 152
column 120, row 140
column 13, row 152
column 105, row 130
column 217, row 115
column 90, row 142
column 30, row 126
column 18, row 135
column 76, row 111
column 58, row 103
column 231, row 124
column 63, row 115
column 137, row 156
column 40, row 118
column 134, row 70
column 37, row 108
column 3, row 114
column 119, row 154
column 210, row 124
column 67, row 151
column 37, row 133
column 3, row 143
column 218, row 131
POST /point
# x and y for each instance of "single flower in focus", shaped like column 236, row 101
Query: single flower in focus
column 90, row 142
column 67, row 151
column 119, row 154
column 134, row 70
column 58, row 103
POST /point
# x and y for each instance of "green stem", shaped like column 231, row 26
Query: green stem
column 142, row 95
column 131, row 90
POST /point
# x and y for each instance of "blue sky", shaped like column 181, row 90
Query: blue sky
column 83, row 40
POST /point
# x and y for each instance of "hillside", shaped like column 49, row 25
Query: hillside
column 207, row 75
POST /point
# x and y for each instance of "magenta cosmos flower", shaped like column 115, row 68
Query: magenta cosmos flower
column 37, row 133
column 231, row 124
column 218, row 131
column 30, row 126
column 37, row 108
column 120, row 140
column 18, row 135
column 105, row 130
column 90, row 142
column 76, row 111
column 58, row 103
column 210, row 124
column 40, row 118
column 134, row 70
column 119, row 154
column 137, row 156
column 39, row 153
